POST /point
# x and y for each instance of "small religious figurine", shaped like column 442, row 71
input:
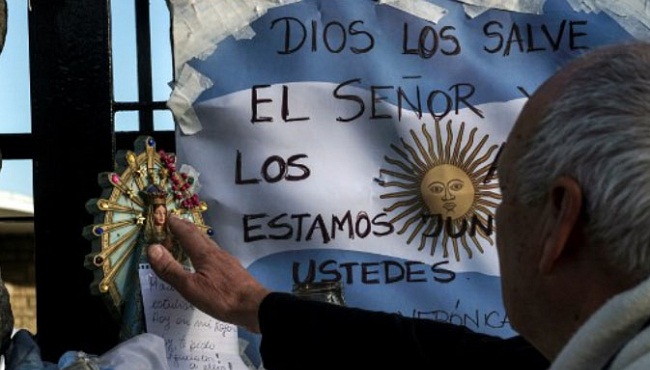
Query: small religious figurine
column 156, row 230
column 131, row 215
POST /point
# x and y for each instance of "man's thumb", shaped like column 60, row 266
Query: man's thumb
column 164, row 264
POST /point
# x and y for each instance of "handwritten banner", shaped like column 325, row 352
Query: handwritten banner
column 353, row 141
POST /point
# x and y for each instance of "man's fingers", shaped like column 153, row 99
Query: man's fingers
column 165, row 266
column 191, row 238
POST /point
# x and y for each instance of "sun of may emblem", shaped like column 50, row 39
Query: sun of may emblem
column 443, row 192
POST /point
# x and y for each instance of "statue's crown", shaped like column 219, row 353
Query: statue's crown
column 154, row 194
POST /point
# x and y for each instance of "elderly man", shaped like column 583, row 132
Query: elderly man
column 574, row 241
column 573, row 244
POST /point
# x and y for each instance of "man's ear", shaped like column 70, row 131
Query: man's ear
column 561, row 217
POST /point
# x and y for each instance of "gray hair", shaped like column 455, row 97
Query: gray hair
column 597, row 131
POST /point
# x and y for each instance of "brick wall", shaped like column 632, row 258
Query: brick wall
column 17, row 268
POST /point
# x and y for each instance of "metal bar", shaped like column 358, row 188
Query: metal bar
column 72, row 122
column 17, row 146
column 143, row 40
column 131, row 106
column 17, row 219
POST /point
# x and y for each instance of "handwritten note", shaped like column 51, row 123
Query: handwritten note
column 193, row 339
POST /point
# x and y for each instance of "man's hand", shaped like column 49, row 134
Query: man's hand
column 220, row 286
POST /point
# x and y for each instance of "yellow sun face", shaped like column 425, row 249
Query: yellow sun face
column 447, row 191
column 444, row 193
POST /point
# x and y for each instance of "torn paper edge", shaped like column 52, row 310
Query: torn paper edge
column 632, row 15
column 519, row 6
column 190, row 84
column 198, row 26
column 419, row 8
